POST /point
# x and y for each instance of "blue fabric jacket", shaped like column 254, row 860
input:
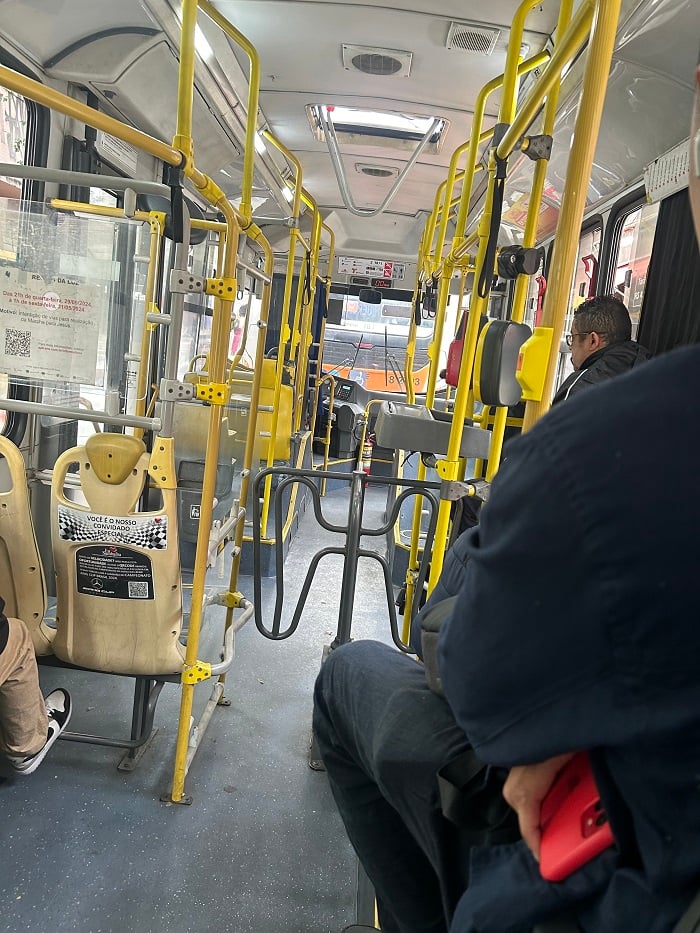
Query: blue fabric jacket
column 579, row 628
column 602, row 365
column 449, row 584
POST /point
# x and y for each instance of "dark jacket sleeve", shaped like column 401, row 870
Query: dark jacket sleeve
column 515, row 645
column 449, row 584
column 575, row 628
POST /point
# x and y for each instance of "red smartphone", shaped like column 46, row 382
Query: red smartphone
column 574, row 825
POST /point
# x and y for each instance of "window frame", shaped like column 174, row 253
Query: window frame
column 36, row 150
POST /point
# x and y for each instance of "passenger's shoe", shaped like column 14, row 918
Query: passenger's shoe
column 357, row 928
column 58, row 709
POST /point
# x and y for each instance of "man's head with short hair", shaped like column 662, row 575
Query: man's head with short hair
column 598, row 322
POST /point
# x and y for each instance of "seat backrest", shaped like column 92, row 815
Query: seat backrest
column 22, row 582
column 241, row 383
column 190, row 430
column 117, row 570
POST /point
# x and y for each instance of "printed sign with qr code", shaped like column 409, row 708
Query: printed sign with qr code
column 113, row 572
column 49, row 330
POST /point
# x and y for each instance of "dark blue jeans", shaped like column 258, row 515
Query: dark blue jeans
column 383, row 736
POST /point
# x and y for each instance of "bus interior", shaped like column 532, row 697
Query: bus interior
column 258, row 337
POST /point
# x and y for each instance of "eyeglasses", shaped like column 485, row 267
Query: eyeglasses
column 584, row 333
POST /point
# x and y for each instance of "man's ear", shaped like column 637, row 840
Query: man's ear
column 597, row 341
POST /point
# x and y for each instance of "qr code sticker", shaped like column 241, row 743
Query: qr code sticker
column 138, row 589
column 18, row 342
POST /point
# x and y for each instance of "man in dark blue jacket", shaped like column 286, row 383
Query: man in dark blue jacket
column 601, row 345
column 601, row 655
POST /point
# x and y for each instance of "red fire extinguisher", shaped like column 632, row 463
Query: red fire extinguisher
column 366, row 454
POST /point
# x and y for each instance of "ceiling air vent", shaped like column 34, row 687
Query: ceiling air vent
column 375, row 171
column 387, row 63
column 472, row 37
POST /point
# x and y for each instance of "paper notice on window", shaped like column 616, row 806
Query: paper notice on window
column 49, row 331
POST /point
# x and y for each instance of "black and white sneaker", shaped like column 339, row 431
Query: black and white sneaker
column 58, row 709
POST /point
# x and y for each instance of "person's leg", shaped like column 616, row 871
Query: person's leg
column 23, row 719
column 383, row 735
column 29, row 724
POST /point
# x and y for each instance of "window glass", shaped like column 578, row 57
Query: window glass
column 369, row 343
column 195, row 336
column 632, row 259
column 102, row 198
column 13, row 139
column 583, row 287
column 13, row 134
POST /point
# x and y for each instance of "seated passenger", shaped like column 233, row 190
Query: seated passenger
column 575, row 629
column 601, row 345
column 29, row 724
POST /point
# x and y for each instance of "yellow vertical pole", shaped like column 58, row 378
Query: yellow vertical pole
column 448, row 469
column 185, row 82
column 252, row 104
column 529, row 240
column 595, row 79
column 285, row 332
column 157, row 225
column 218, row 358
column 255, row 234
column 476, row 134
column 300, row 376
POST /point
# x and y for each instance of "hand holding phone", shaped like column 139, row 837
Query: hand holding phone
column 574, row 824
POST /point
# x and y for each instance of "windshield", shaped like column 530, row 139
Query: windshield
column 392, row 314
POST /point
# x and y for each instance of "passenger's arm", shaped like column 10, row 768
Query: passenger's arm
column 525, row 661
column 448, row 584
column 525, row 789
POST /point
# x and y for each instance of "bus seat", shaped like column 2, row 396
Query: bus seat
column 241, row 384
column 22, row 582
column 190, row 429
column 496, row 360
column 117, row 570
column 400, row 426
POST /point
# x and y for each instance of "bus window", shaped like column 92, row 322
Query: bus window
column 369, row 343
column 103, row 198
column 14, row 120
column 13, row 131
column 636, row 239
column 583, row 287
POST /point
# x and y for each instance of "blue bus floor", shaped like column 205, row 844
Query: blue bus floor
column 260, row 850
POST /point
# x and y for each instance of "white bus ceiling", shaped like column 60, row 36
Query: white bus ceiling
column 126, row 57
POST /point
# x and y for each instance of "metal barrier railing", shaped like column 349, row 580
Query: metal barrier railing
column 351, row 550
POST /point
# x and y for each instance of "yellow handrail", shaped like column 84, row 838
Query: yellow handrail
column 253, row 97
column 529, row 239
column 573, row 201
column 42, row 94
column 450, row 468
